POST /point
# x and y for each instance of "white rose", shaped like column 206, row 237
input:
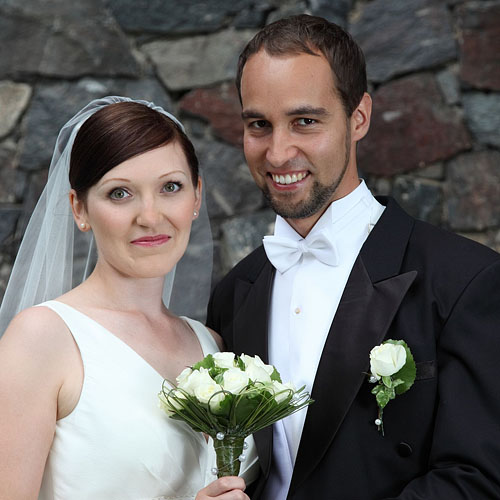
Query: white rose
column 181, row 378
column 256, row 369
column 235, row 380
column 206, row 389
column 387, row 359
column 224, row 359
column 282, row 391
column 194, row 379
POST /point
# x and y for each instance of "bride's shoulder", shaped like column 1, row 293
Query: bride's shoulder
column 36, row 327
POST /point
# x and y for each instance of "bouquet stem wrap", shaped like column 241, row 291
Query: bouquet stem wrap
column 228, row 451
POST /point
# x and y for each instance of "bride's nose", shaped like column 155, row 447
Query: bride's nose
column 149, row 213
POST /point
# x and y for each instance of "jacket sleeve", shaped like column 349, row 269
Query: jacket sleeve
column 464, row 460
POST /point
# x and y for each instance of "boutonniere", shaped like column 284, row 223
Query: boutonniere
column 393, row 371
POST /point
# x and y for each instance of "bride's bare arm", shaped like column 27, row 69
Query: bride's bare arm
column 34, row 355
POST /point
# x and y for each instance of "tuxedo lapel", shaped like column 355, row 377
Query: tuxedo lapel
column 363, row 317
column 251, row 314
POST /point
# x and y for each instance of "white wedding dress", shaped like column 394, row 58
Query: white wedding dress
column 117, row 443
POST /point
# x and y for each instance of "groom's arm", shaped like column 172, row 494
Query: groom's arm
column 218, row 312
column 465, row 453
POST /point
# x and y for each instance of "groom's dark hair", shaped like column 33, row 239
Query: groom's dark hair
column 117, row 133
column 304, row 34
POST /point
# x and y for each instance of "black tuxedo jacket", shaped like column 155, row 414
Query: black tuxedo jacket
column 441, row 294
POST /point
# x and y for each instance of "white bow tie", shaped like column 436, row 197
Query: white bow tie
column 285, row 252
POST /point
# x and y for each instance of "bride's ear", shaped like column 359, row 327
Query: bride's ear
column 79, row 211
column 197, row 192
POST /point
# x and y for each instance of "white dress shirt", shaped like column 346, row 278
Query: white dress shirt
column 303, row 304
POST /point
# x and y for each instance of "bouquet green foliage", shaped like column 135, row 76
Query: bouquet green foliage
column 230, row 397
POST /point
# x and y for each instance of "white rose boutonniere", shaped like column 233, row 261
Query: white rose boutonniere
column 393, row 370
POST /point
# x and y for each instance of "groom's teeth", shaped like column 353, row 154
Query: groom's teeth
column 288, row 179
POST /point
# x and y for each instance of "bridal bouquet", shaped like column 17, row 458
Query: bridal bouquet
column 230, row 397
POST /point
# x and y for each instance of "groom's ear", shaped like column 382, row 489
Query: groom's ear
column 79, row 210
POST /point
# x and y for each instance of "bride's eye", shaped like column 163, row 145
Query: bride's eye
column 172, row 187
column 118, row 194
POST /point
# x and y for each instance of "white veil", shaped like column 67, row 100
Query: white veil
column 53, row 257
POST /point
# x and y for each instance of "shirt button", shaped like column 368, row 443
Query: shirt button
column 297, row 310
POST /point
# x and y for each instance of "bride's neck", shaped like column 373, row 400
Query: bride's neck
column 115, row 291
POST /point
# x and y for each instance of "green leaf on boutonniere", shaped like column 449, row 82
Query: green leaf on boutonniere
column 383, row 396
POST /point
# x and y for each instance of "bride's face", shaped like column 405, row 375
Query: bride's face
column 141, row 212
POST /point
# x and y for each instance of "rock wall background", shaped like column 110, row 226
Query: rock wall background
column 433, row 66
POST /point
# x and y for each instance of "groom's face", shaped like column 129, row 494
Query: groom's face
column 297, row 138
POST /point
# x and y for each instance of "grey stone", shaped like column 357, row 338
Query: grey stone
column 62, row 39
column 411, row 127
column 170, row 17
column 398, row 37
column 449, row 85
column 479, row 28
column 435, row 171
column 14, row 98
column 253, row 16
column 199, row 60
column 336, row 11
column 229, row 186
column 420, row 198
column 378, row 185
column 287, row 8
column 53, row 104
column 8, row 171
column 482, row 113
column 9, row 215
column 473, row 191
column 241, row 235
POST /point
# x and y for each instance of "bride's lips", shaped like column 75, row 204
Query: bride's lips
column 151, row 241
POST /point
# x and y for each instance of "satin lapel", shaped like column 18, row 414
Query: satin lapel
column 361, row 322
column 250, row 332
column 369, row 303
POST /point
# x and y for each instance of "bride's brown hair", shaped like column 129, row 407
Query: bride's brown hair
column 117, row 133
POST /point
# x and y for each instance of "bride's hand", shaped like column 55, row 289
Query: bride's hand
column 225, row 488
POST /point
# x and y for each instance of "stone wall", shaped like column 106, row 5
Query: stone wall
column 433, row 66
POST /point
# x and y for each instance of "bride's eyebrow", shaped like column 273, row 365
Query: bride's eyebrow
column 114, row 179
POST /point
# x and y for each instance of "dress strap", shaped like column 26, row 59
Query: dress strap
column 207, row 342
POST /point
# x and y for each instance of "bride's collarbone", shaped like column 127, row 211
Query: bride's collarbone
column 166, row 343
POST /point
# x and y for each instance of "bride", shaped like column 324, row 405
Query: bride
column 81, row 370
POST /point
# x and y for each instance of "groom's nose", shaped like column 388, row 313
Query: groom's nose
column 281, row 147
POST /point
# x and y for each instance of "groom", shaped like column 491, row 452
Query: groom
column 344, row 272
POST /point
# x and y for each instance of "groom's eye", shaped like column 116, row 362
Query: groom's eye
column 259, row 124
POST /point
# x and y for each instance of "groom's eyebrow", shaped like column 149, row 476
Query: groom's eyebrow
column 250, row 113
column 298, row 111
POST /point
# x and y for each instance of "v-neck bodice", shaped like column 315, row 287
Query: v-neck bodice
column 117, row 443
